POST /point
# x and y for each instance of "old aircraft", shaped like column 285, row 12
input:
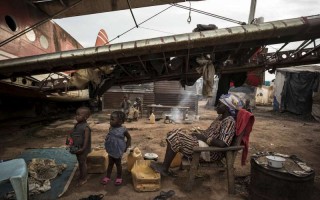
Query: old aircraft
column 27, row 29
column 233, row 51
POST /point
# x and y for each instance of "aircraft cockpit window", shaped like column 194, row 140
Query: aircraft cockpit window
column 11, row 22
column 44, row 42
column 24, row 81
column 31, row 35
column 284, row 56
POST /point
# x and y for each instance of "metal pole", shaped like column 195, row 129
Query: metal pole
column 252, row 11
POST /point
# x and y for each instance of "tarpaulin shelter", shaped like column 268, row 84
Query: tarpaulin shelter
column 297, row 90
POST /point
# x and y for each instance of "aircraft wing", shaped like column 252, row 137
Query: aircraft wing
column 175, row 57
column 86, row 7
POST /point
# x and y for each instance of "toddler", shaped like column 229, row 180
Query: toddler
column 81, row 142
column 116, row 143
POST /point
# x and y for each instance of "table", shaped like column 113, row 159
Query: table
column 17, row 172
column 151, row 108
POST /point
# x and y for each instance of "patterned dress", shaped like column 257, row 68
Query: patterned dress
column 182, row 141
column 115, row 143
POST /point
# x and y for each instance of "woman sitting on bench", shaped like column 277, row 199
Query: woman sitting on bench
column 219, row 134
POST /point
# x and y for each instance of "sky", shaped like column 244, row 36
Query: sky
column 174, row 20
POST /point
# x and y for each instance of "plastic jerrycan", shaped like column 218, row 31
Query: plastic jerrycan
column 176, row 162
column 135, row 154
column 152, row 118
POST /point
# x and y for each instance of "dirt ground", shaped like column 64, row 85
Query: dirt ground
column 282, row 133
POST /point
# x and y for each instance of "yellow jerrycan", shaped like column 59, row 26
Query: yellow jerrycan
column 135, row 154
column 176, row 162
column 152, row 118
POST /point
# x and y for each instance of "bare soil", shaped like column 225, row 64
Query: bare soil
column 278, row 132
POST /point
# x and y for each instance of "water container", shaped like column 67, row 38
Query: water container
column 97, row 161
column 144, row 178
column 152, row 118
column 135, row 154
column 176, row 162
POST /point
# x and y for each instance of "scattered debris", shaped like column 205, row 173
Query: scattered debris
column 165, row 195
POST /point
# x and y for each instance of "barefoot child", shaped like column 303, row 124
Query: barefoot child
column 116, row 145
column 81, row 136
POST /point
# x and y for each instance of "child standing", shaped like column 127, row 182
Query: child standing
column 81, row 136
column 116, row 145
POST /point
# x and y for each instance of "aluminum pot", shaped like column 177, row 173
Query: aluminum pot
column 151, row 156
column 275, row 161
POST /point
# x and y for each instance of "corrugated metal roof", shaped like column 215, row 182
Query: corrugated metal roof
column 146, row 87
column 173, row 87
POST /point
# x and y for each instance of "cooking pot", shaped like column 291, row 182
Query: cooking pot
column 275, row 161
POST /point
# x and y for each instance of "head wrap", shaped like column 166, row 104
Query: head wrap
column 232, row 102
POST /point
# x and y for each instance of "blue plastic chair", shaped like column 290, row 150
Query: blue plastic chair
column 16, row 172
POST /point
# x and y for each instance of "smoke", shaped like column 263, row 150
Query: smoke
column 177, row 113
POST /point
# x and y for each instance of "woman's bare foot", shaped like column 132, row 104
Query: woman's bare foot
column 158, row 167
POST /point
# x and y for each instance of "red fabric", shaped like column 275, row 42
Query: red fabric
column 245, row 121
column 253, row 80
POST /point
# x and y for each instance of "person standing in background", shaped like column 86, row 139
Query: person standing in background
column 125, row 105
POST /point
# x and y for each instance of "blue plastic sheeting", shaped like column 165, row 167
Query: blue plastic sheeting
column 61, row 156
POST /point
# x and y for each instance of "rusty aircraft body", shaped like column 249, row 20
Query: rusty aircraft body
column 27, row 29
column 233, row 50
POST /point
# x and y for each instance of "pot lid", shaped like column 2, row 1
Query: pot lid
column 151, row 155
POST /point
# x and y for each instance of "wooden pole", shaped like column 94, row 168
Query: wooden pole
column 69, row 181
